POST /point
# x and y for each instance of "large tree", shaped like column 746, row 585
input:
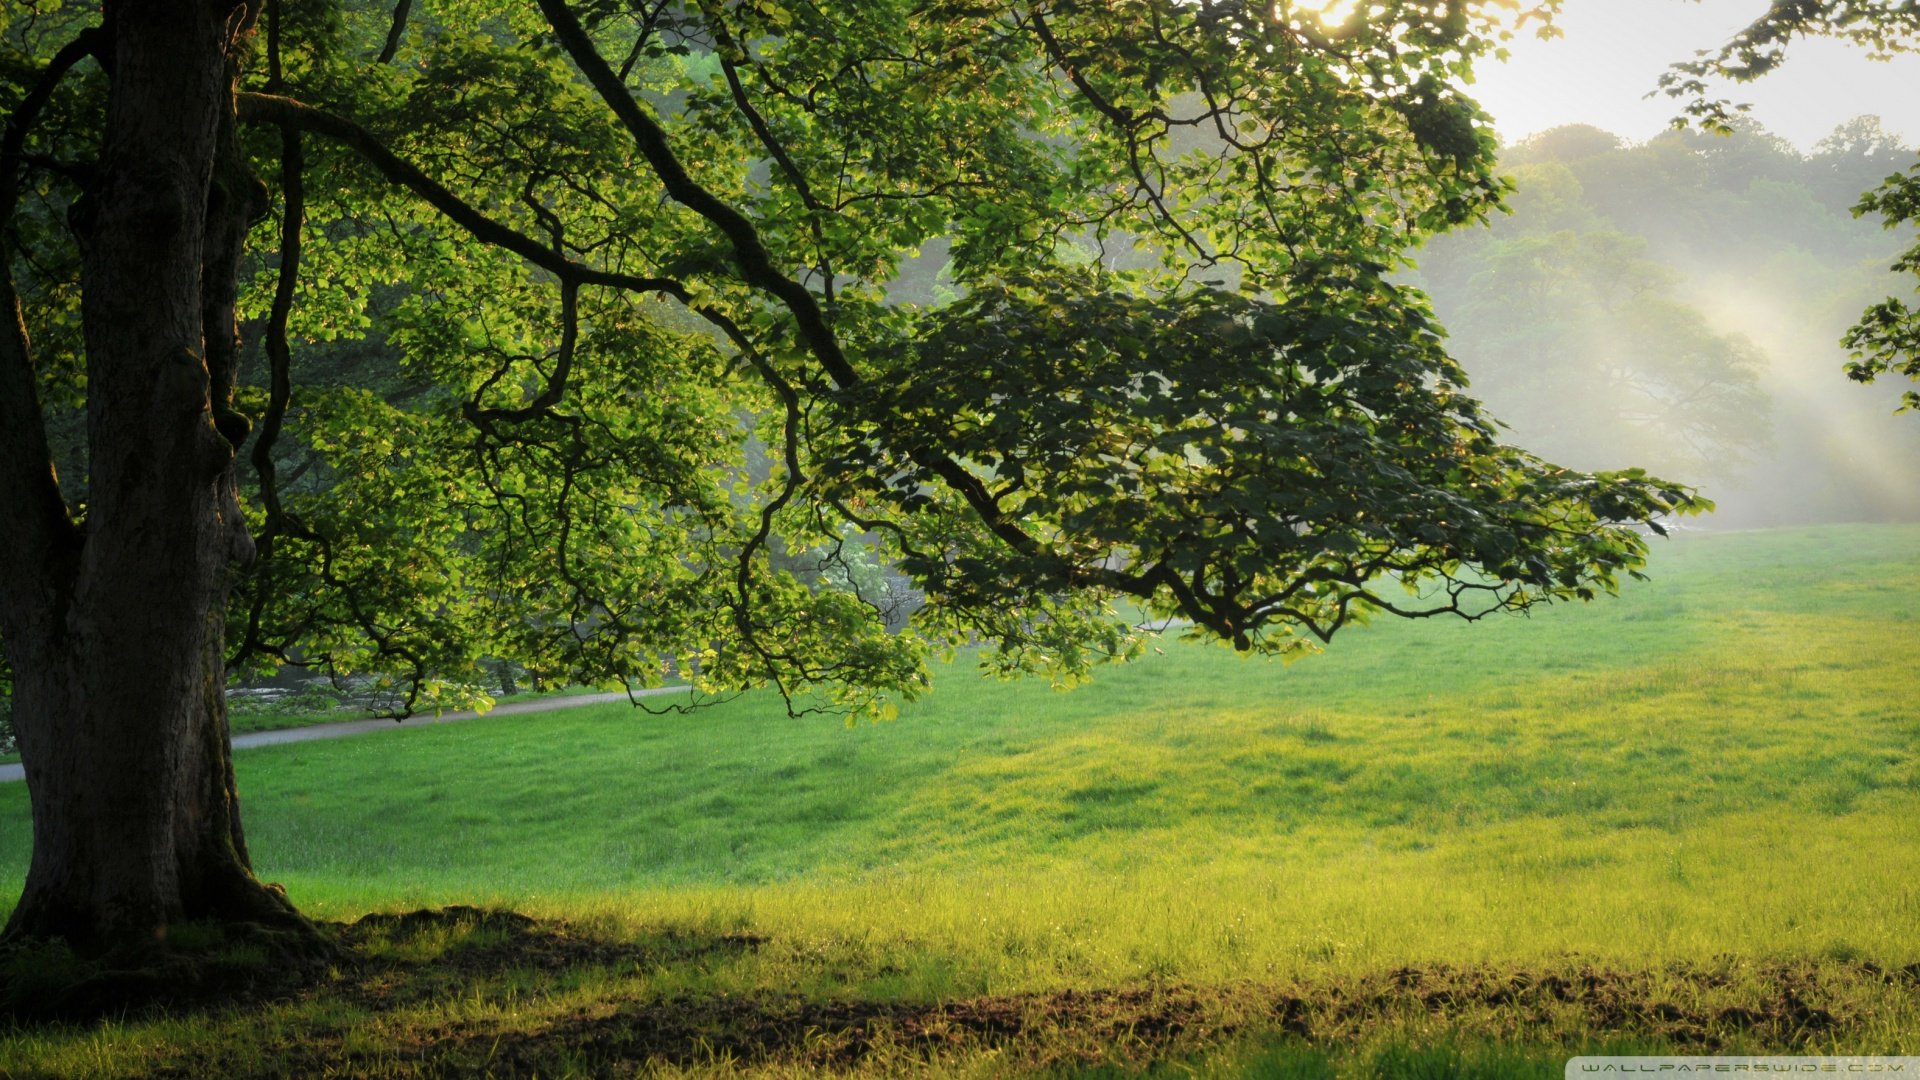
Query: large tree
column 533, row 288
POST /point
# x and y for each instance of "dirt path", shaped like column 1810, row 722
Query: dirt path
column 11, row 773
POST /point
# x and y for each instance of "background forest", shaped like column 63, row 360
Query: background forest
column 1679, row 304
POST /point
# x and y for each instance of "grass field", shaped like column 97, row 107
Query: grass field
column 1681, row 819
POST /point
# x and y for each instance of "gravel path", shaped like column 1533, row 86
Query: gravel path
column 11, row 773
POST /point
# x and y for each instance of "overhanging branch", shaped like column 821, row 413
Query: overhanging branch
column 756, row 262
column 395, row 32
column 280, row 383
column 289, row 113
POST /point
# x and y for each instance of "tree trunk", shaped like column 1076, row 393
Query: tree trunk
column 118, row 654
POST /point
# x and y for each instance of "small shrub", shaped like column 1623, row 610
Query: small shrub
column 313, row 698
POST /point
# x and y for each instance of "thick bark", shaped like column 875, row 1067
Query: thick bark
column 119, row 697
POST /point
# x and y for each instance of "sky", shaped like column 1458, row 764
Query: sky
column 1615, row 50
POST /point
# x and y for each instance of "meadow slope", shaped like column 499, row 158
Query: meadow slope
column 1708, row 784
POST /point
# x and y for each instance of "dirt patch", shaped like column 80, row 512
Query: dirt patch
column 1685, row 1005
column 694, row 1029
column 629, row 1038
column 442, row 963
column 1131, row 1026
column 761, row 1028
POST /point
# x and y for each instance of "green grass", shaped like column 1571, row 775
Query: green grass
column 1717, row 771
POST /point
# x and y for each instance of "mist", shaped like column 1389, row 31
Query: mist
column 1678, row 305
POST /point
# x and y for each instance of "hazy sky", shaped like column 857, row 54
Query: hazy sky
column 1614, row 51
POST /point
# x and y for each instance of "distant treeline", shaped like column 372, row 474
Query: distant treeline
column 1677, row 305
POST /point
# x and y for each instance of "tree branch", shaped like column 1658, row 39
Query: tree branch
column 394, row 32
column 280, row 381
column 34, row 523
column 1128, row 123
column 756, row 263
column 779, row 151
column 556, row 387
column 292, row 115
column 288, row 113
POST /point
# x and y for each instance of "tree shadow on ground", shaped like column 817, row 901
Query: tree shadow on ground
column 461, row 990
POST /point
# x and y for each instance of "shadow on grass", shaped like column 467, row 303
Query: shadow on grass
column 432, row 953
column 462, row 991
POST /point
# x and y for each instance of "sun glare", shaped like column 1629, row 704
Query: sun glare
column 1327, row 12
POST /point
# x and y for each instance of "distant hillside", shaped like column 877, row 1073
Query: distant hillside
column 1678, row 305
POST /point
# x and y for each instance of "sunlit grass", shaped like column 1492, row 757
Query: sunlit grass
column 1722, row 767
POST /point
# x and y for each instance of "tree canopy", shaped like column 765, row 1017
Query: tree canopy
column 394, row 340
column 532, row 281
